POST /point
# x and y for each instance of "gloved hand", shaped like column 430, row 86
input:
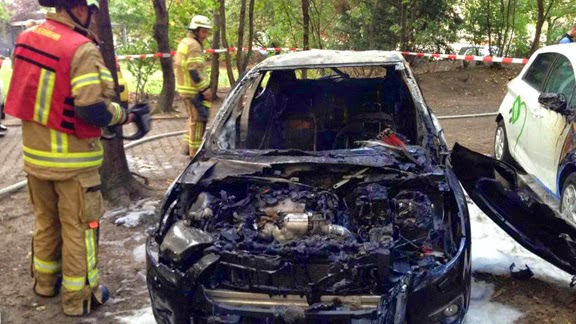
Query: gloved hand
column 141, row 113
column 203, row 112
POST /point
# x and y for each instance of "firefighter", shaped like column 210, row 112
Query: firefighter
column 192, row 82
column 62, row 91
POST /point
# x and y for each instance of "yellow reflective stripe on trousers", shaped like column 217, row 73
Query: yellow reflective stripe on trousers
column 49, row 267
column 44, row 96
column 64, row 159
column 84, row 80
column 93, row 275
column 73, row 283
column 197, row 136
column 58, row 141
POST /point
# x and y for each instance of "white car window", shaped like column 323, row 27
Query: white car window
column 537, row 72
column 561, row 78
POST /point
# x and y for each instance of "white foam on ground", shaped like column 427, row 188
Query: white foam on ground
column 483, row 311
column 136, row 212
column 139, row 253
column 493, row 251
column 141, row 316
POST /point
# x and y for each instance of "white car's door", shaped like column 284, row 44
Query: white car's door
column 525, row 113
column 553, row 129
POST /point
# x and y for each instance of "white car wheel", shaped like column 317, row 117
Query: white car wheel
column 501, row 151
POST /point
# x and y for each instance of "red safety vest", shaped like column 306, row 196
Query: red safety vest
column 40, row 88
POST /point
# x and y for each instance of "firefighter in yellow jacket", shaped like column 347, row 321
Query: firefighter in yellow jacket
column 62, row 91
column 192, row 82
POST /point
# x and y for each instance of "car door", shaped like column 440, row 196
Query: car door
column 492, row 185
column 524, row 112
column 552, row 126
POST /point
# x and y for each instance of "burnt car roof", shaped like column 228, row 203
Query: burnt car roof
column 314, row 58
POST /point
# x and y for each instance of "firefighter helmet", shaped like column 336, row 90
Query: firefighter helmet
column 200, row 21
column 52, row 3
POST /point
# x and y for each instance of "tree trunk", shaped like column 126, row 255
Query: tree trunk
column 215, row 72
column 166, row 97
column 240, row 49
column 542, row 16
column 403, row 27
column 250, row 34
column 118, row 184
column 225, row 42
column 306, row 24
column 306, row 32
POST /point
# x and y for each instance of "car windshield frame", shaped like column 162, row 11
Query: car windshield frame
column 245, row 89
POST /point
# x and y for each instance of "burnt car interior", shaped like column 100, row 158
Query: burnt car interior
column 331, row 112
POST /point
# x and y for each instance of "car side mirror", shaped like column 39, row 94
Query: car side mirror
column 554, row 101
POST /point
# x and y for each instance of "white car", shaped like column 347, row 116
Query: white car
column 536, row 126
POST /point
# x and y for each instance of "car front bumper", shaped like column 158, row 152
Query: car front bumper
column 176, row 299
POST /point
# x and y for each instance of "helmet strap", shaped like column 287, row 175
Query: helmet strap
column 76, row 20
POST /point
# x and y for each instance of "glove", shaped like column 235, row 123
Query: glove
column 201, row 109
column 141, row 113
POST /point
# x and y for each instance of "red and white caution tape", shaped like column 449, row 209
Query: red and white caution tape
column 485, row 59
column 208, row 51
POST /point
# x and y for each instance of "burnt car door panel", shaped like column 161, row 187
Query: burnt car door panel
column 492, row 185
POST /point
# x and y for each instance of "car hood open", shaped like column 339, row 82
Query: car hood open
column 492, row 185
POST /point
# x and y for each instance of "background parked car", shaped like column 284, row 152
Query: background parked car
column 535, row 123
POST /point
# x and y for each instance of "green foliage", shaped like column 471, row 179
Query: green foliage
column 140, row 69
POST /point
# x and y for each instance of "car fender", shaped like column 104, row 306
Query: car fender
column 566, row 167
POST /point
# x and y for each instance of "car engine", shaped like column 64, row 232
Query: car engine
column 277, row 235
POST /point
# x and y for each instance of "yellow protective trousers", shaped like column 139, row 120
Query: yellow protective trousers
column 65, row 243
column 195, row 129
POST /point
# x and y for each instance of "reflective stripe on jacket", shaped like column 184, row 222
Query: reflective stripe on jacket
column 41, row 89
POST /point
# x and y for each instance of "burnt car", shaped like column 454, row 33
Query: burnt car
column 323, row 191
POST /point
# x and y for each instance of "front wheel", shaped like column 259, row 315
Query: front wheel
column 568, row 201
column 501, row 149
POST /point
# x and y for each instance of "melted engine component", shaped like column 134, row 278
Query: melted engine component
column 280, row 219
column 296, row 223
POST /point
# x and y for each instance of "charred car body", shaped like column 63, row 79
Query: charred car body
column 322, row 192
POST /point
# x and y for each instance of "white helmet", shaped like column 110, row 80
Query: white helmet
column 200, row 21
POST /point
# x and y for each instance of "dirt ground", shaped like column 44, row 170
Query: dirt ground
column 448, row 90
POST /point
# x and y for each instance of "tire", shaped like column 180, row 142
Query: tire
column 568, row 199
column 501, row 148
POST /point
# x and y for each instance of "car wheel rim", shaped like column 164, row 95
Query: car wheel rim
column 499, row 143
column 569, row 203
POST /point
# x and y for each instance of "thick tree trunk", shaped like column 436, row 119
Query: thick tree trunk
column 215, row 72
column 166, row 97
column 231, row 78
column 118, row 184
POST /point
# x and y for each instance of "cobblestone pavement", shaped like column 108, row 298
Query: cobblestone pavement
column 156, row 160
column 11, row 154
